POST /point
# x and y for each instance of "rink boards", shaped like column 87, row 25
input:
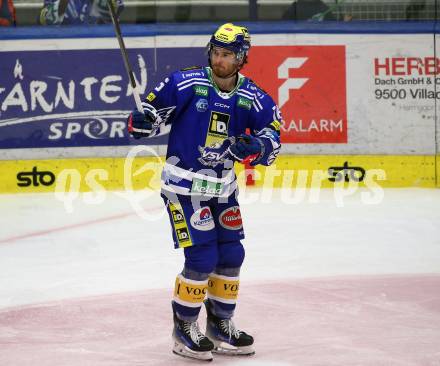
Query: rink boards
column 292, row 172
column 359, row 102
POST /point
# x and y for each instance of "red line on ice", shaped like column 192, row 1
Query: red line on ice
column 71, row 226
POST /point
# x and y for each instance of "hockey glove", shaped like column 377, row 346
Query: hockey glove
column 246, row 149
column 141, row 124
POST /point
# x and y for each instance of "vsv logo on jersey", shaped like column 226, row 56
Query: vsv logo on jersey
column 212, row 156
column 313, row 103
column 202, row 219
column 215, row 154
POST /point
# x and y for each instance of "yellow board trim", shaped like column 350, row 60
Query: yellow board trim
column 437, row 176
column 387, row 171
column 83, row 174
column 92, row 174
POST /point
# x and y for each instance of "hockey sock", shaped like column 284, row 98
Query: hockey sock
column 223, row 292
column 188, row 297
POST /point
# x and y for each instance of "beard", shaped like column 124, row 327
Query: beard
column 224, row 72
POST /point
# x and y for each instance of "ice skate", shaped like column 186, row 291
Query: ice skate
column 226, row 338
column 189, row 341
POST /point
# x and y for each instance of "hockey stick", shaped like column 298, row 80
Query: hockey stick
column 115, row 21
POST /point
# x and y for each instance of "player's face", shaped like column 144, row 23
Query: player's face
column 223, row 62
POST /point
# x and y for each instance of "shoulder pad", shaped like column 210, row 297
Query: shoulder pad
column 251, row 82
column 253, row 90
column 191, row 68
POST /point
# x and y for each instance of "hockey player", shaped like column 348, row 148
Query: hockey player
column 68, row 12
column 207, row 110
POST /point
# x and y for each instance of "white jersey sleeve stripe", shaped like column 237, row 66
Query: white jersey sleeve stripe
column 249, row 94
column 255, row 106
column 193, row 83
column 191, row 80
column 258, row 103
column 245, row 96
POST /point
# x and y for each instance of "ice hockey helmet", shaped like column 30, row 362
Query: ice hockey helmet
column 232, row 37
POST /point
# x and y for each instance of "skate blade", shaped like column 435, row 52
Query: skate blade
column 223, row 348
column 183, row 351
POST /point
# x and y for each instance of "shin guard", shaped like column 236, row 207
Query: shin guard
column 223, row 289
column 189, row 293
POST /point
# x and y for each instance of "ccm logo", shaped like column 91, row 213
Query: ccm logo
column 35, row 178
column 221, row 105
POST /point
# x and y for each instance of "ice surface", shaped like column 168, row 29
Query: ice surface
column 321, row 284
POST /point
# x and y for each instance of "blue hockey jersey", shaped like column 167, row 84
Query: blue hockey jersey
column 203, row 122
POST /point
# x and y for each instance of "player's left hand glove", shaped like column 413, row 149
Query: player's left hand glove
column 246, row 149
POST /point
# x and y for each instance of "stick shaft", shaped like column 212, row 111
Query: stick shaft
column 127, row 66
